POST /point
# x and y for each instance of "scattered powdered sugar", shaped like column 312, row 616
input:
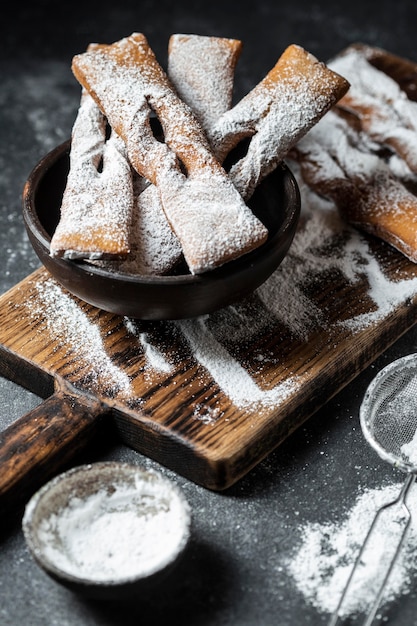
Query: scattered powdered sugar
column 409, row 450
column 232, row 378
column 226, row 371
column 284, row 294
column 386, row 294
column 207, row 414
column 155, row 359
column 325, row 555
column 229, row 374
column 70, row 326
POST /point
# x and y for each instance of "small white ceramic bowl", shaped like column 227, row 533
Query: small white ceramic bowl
column 107, row 529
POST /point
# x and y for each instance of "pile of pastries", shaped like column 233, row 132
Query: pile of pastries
column 363, row 154
column 152, row 178
column 162, row 165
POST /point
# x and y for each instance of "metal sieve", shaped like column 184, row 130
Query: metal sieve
column 388, row 417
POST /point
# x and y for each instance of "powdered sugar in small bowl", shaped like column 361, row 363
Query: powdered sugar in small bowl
column 107, row 529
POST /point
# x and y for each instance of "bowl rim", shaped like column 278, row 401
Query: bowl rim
column 227, row 270
column 30, row 530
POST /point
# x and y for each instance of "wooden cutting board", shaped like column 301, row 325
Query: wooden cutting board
column 209, row 397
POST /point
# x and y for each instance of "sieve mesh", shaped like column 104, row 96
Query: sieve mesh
column 388, row 416
column 389, row 413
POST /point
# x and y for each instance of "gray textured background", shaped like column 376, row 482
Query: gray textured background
column 231, row 575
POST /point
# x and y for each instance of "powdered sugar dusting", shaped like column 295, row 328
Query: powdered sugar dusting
column 385, row 112
column 127, row 83
column 233, row 379
column 66, row 322
column 97, row 205
column 202, row 71
column 281, row 109
column 155, row 358
column 385, row 293
column 325, row 555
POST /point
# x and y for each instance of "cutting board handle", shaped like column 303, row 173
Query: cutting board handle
column 42, row 442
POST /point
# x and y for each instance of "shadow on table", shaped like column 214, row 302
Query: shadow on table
column 192, row 593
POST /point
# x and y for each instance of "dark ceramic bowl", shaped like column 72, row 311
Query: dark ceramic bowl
column 276, row 203
column 108, row 530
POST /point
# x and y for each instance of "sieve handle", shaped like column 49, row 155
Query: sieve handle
column 399, row 500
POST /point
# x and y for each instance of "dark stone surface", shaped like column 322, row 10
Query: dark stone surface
column 232, row 574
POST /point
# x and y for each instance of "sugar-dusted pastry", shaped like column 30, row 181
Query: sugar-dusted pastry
column 291, row 98
column 337, row 166
column 154, row 248
column 403, row 71
column 97, row 203
column 385, row 112
column 202, row 71
column 202, row 205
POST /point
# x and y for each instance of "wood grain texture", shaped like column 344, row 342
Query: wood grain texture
column 208, row 397
column 42, row 442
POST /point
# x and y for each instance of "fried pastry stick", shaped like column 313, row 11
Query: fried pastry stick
column 402, row 71
column 97, row 204
column 109, row 215
column 338, row 166
column 202, row 70
column 154, row 249
column 202, row 205
column 277, row 113
column 385, row 113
